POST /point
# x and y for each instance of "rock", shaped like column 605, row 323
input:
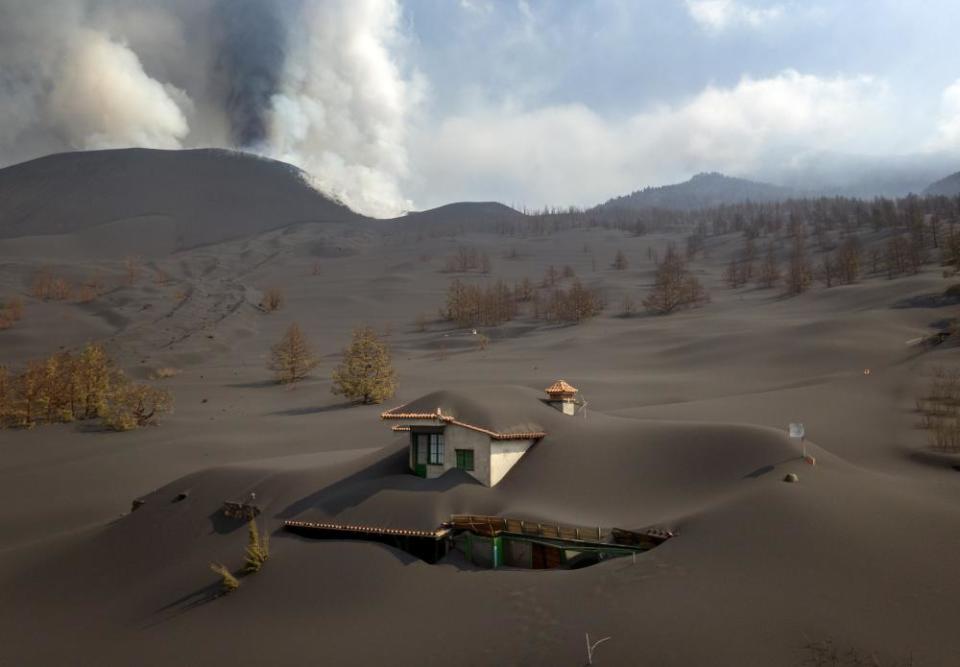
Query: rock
column 809, row 460
column 791, row 477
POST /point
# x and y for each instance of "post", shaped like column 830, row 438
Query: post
column 592, row 647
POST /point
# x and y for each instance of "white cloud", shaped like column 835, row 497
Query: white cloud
column 719, row 15
column 571, row 154
column 477, row 6
column 948, row 128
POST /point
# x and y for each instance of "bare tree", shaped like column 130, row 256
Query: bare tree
column 769, row 273
column 620, row 262
column 272, row 300
column 674, row 286
column 291, row 359
column 799, row 271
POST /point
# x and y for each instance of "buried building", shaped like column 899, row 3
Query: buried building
column 463, row 444
column 447, row 433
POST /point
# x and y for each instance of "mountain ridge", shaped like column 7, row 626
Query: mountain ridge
column 703, row 190
column 209, row 195
column 947, row 186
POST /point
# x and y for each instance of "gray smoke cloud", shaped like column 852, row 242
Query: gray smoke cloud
column 313, row 82
column 252, row 51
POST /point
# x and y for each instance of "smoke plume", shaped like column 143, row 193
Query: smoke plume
column 312, row 82
column 252, row 50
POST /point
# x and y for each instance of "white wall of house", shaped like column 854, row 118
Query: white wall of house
column 457, row 437
column 504, row 454
column 492, row 459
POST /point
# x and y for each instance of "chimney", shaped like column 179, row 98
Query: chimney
column 562, row 397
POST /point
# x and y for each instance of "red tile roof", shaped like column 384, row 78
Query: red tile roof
column 561, row 387
column 396, row 413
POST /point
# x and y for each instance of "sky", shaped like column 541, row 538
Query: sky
column 396, row 105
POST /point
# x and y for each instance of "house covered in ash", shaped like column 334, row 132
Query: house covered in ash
column 448, row 430
column 455, row 436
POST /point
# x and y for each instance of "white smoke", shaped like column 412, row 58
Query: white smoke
column 102, row 98
column 343, row 95
column 323, row 89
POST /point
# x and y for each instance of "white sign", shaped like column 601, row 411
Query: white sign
column 796, row 431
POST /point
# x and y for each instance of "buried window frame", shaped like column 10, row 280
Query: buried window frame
column 435, row 449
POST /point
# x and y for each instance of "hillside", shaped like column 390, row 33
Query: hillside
column 198, row 196
column 465, row 215
column 949, row 186
column 701, row 191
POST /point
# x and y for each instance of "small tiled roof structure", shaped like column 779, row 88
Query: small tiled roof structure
column 470, row 418
column 561, row 389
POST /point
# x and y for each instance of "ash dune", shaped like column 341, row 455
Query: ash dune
column 684, row 428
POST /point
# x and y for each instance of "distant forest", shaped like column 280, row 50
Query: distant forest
column 790, row 246
column 895, row 236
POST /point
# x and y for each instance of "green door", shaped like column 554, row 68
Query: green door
column 418, row 441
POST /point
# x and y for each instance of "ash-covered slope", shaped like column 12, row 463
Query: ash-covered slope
column 949, row 186
column 200, row 196
column 464, row 216
column 701, row 191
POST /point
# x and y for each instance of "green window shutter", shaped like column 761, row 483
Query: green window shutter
column 465, row 459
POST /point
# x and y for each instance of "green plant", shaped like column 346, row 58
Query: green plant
column 291, row 359
column 366, row 373
column 228, row 582
column 258, row 548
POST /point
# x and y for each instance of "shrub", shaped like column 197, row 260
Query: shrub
column 134, row 405
column 48, row 287
column 272, row 300
column 258, row 548
column 467, row 259
column 66, row 387
column 228, row 582
column 11, row 312
column 366, row 372
column 164, row 373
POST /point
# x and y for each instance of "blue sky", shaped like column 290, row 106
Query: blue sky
column 597, row 75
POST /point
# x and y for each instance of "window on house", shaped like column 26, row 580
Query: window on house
column 436, row 449
column 465, row 459
column 421, row 448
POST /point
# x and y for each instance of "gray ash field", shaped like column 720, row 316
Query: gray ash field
column 685, row 429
